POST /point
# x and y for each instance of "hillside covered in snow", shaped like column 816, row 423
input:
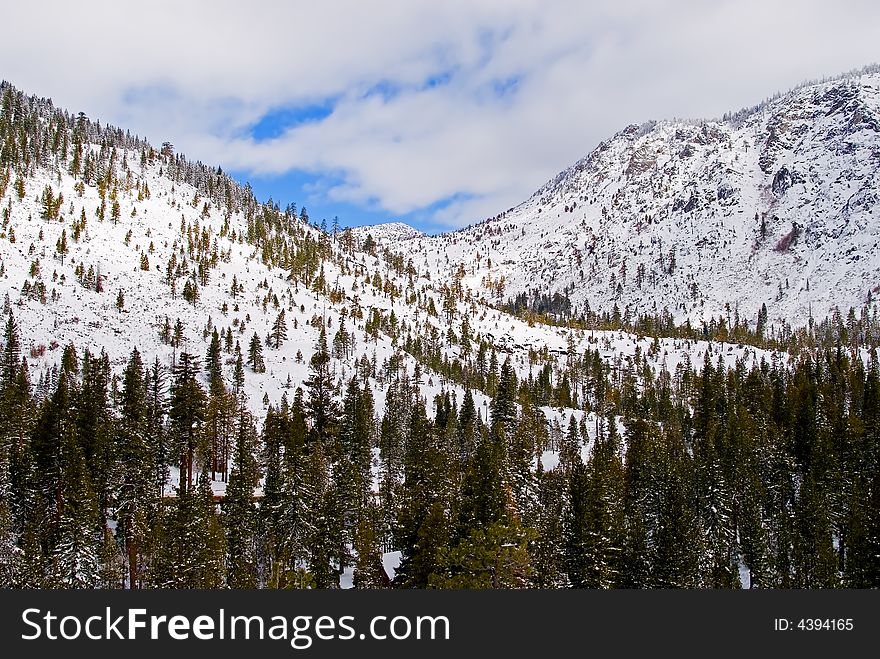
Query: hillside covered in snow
column 198, row 390
column 775, row 205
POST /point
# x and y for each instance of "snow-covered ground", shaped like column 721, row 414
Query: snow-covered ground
column 777, row 205
column 605, row 229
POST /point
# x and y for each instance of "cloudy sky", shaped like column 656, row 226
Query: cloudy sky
column 437, row 113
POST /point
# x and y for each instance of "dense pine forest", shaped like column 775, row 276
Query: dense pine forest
column 764, row 477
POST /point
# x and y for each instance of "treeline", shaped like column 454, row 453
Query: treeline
column 767, row 477
column 857, row 329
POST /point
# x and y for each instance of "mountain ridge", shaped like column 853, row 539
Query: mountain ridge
column 762, row 202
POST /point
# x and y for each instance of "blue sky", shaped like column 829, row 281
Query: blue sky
column 296, row 186
column 309, row 188
column 438, row 114
column 301, row 189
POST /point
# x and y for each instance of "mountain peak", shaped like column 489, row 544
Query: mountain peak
column 775, row 206
column 389, row 232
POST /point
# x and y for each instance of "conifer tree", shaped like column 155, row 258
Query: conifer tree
column 467, row 427
column 676, row 540
column 369, row 573
column 54, row 447
column 111, row 565
column 279, row 330
column 10, row 554
column 17, row 412
column 75, row 553
column 423, row 527
column 321, row 404
column 136, row 501
column 94, row 427
column 238, row 373
column 157, row 431
column 356, row 433
column 186, row 416
column 240, row 513
column 220, row 411
column 814, row 559
column 503, row 406
column 278, row 513
column 754, row 541
column 192, row 549
column 352, row 467
column 548, row 549
column 255, row 354
column 61, row 245
column 596, row 526
column 320, row 520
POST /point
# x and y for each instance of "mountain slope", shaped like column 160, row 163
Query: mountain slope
column 775, row 205
column 402, row 416
column 178, row 250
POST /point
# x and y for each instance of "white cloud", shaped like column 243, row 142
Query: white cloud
column 200, row 74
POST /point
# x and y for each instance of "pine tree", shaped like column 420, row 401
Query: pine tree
column 423, row 527
column 255, row 354
column 136, row 500
column 220, row 411
column 54, row 451
column 640, row 475
column 503, row 406
column 342, row 341
column 321, row 404
column 75, row 555
column 351, row 470
column 715, row 503
column 94, row 428
column 676, row 540
column 10, row 554
column 61, row 245
column 111, row 566
column 814, row 559
column 156, row 430
column 570, row 450
column 190, row 292
column 495, row 557
column 192, row 549
column 369, row 573
column 186, row 415
column 278, row 513
column 596, row 525
column 240, row 513
column 357, row 427
column 214, row 365
column 467, row 427
column 321, row 520
column 279, row 330
column 754, row 540
column 238, row 373
column 548, row 549
column 16, row 420
column 526, row 443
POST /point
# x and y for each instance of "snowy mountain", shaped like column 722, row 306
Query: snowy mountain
column 776, row 205
column 377, row 397
column 152, row 244
column 109, row 244
column 388, row 232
